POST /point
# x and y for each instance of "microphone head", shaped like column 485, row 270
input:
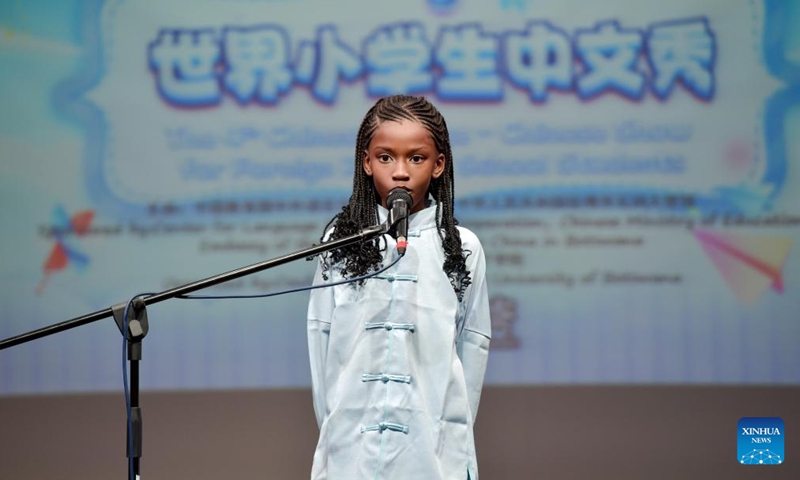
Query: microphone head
column 398, row 194
column 399, row 204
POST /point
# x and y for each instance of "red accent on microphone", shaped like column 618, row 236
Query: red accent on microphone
column 402, row 243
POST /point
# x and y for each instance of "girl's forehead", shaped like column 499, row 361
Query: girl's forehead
column 402, row 130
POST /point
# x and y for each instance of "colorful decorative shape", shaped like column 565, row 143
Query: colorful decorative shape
column 63, row 252
column 748, row 264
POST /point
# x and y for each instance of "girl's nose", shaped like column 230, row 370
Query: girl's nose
column 400, row 171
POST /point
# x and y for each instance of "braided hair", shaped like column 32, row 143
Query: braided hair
column 362, row 209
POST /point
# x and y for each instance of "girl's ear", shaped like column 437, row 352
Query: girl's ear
column 366, row 164
column 438, row 168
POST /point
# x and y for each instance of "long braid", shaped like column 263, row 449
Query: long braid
column 361, row 210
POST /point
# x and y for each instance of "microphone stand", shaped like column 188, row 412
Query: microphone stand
column 137, row 324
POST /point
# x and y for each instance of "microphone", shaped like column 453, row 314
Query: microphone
column 399, row 203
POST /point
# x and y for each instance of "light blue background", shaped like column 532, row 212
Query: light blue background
column 55, row 144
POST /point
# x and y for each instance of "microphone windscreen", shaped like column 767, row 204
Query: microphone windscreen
column 398, row 194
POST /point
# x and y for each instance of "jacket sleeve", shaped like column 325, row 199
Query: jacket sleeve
column 320, row 312
column 475, row 331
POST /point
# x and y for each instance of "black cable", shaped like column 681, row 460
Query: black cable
column 292, row 290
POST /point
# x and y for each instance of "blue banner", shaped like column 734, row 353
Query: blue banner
column 626, row 165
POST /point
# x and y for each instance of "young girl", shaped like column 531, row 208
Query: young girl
column 398, row 360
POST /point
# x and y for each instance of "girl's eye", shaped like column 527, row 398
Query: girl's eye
column 416, row 159
column 384, row 158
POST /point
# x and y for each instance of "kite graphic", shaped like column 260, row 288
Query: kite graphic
column 748, row 264
column 64, row 252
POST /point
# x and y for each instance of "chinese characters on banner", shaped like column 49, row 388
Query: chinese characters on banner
column 460, row 63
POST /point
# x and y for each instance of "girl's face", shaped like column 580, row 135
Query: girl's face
column 402, row 154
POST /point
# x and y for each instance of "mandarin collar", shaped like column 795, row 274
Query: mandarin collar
column 422, row 220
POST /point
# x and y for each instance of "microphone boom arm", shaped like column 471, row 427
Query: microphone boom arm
column 363, row 235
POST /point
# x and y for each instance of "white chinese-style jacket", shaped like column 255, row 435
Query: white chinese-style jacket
column 397, row 365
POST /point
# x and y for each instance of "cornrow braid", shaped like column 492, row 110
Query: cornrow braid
column 361, row 210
